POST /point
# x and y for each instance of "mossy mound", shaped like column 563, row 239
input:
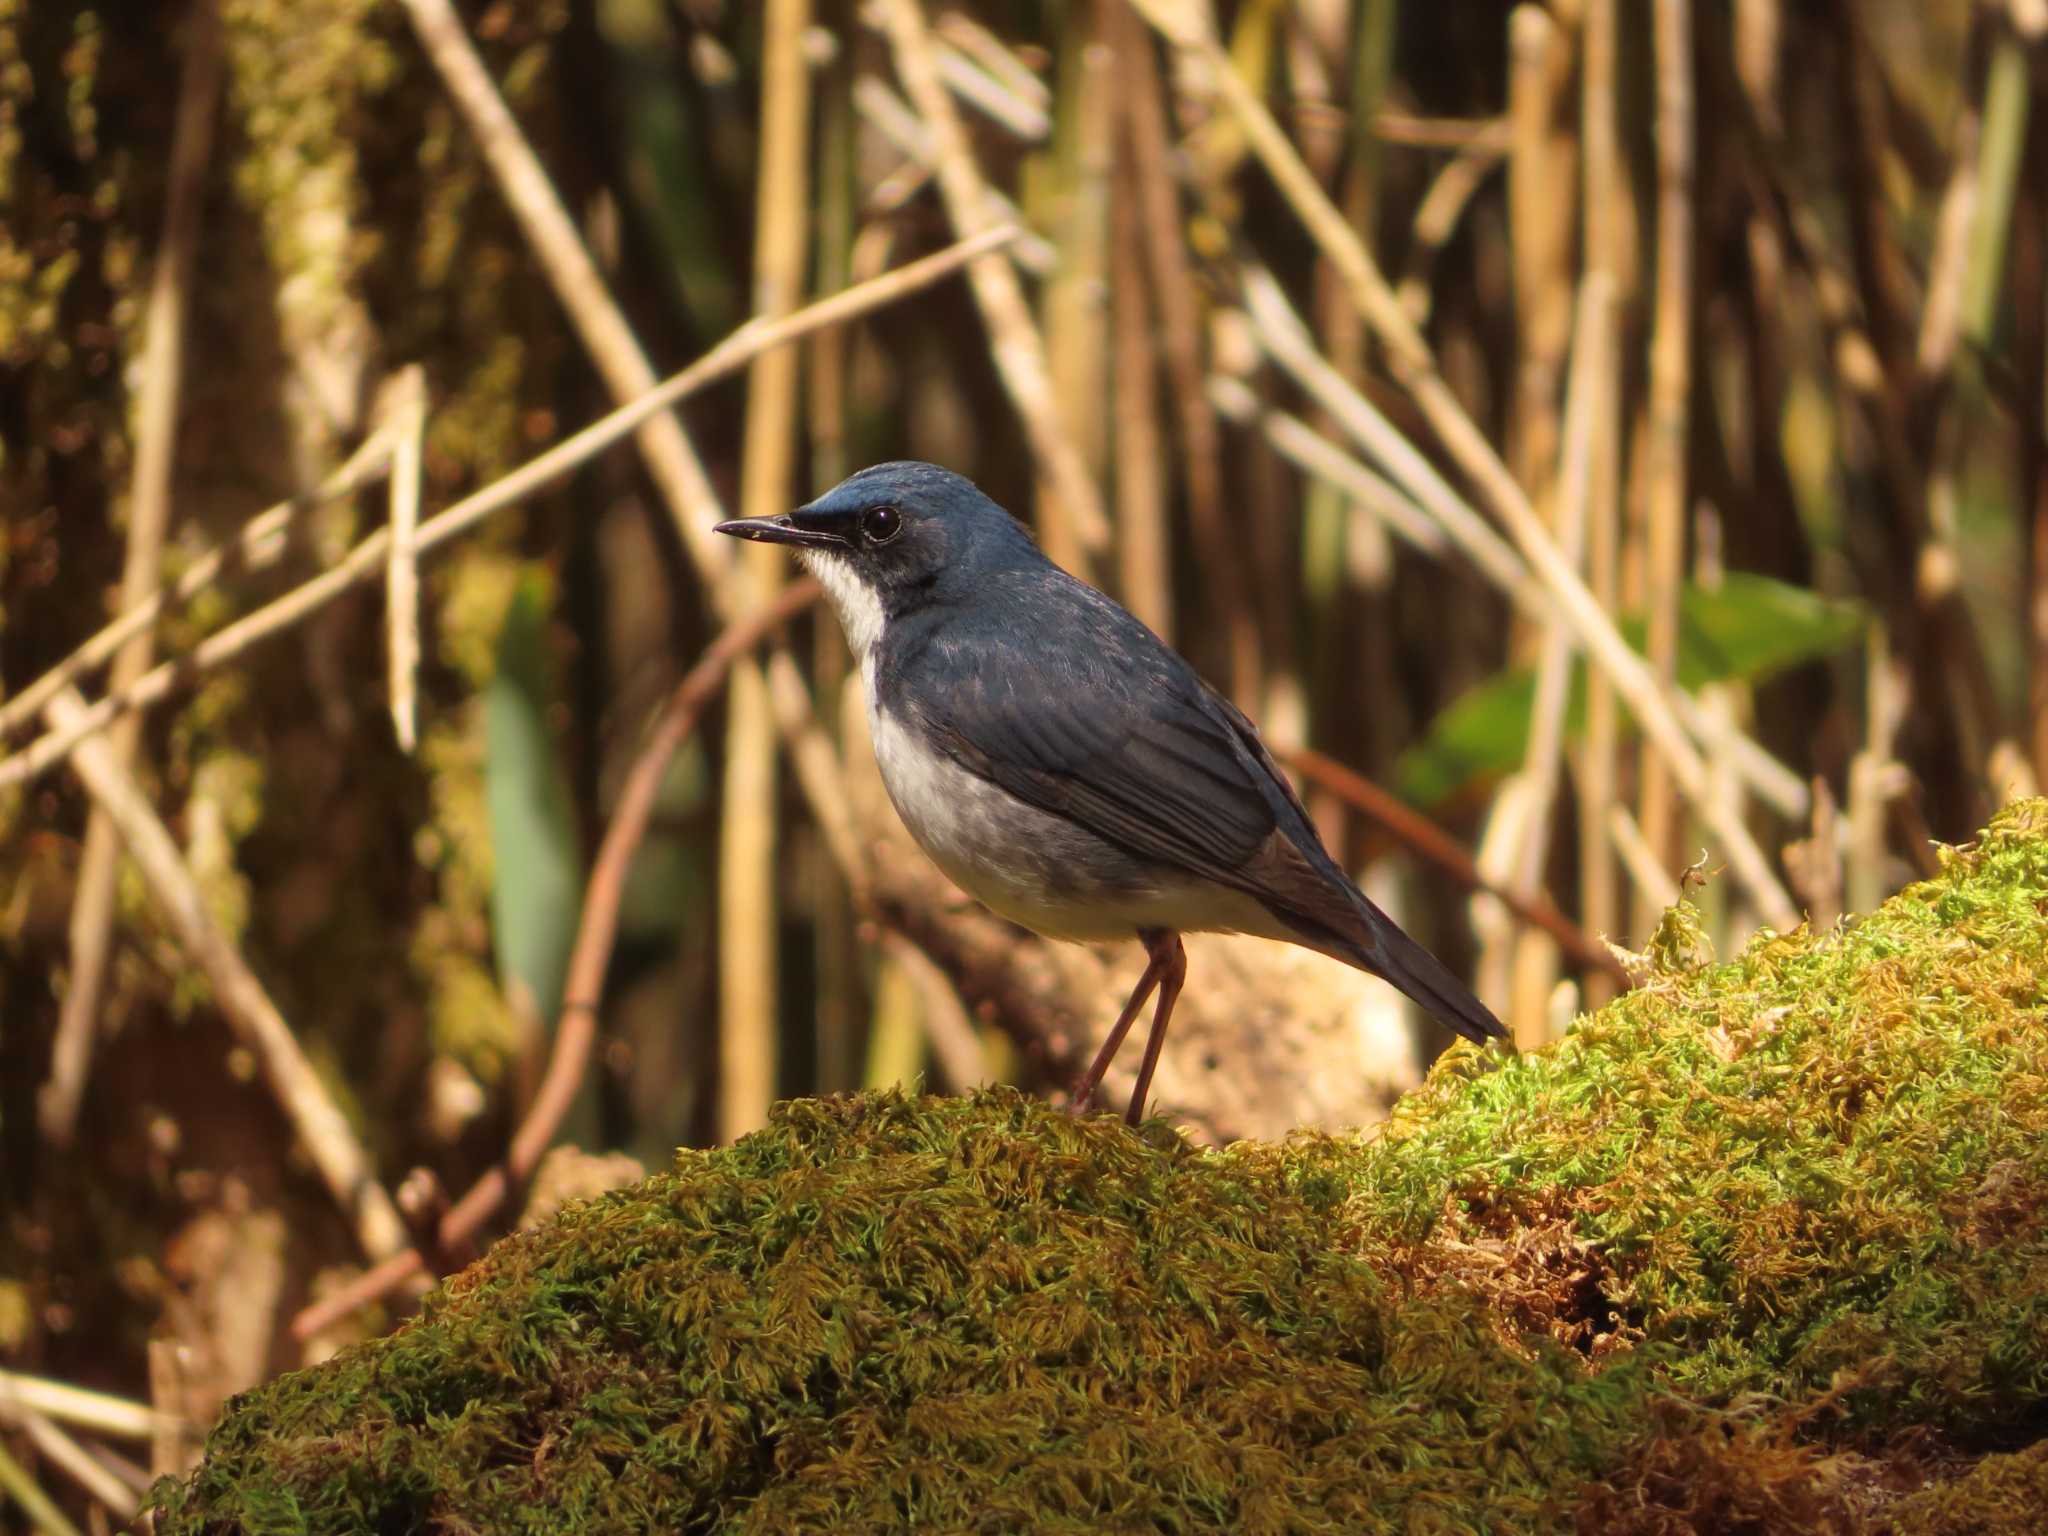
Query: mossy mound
column 1753, row 1249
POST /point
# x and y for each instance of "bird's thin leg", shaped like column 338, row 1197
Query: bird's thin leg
column 1165, row 947
column 1083, row 1093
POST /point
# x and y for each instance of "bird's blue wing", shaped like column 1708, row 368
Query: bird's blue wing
column 1082, row 712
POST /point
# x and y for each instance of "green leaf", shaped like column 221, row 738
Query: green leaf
column 537, row 882
column 1743, row 630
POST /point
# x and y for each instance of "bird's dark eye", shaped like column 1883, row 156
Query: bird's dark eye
column 878, row 525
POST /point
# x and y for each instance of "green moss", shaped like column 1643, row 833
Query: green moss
column 1700, row 1266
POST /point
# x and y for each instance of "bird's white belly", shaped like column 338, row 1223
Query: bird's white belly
column 1038, row 869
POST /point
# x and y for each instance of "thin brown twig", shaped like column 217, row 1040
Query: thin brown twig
column 322, row 1128
column 364, row 561
column 583, row 987
column 149, row 516
column 1428, row 841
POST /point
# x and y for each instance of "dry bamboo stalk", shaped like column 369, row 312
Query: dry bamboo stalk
column 1587, row 405
column 149, row 515
column 1413, row 367
column 407, row 404
column 838, row 957
column 75, row 1462
column 892, row 118
column 100, row 1412
column 366, row 559
column 1144, row 553
column 748, row 902
column 616, row 351
column 1941, row 312
column 2003, row 147
column 993, row 94
column 1310, row 451
column 1285, row 339
column 1643, row 866
column 321, row 1127
column 956, row 1047
column 1665, row 463
column 37, row 1507
column 896, row 1038
column 1180, row 334
column 1018, row 349
column 259, row 543
column 1075, row 313
column 1438, row 214
column 976, row 42
column 1541, row 223
column 1599, row 759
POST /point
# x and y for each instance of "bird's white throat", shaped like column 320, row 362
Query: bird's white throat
column 858, row 605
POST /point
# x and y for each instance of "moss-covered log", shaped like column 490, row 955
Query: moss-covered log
column 1760, row 1247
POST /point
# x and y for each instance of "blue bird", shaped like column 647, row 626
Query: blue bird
column 1063, row 765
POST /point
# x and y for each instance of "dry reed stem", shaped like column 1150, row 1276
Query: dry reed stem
column 994, row 95
column 955, row 1045
column 974, row 41
column 321, row 1127
column 1018, row 350
column 1541, row 217
column 1074, row 305
column 613, row 347
column 100, row 1412
column 73, row 1460
column 1941, row 311
column 891, row 117
column 365, row 560
column 1438, row 214
column 2002, row 149
column 149, row 516
column 37, row 1507
column 1180, row 336
column 1652, row 881
column 259, row 543
column 1598, row 761
column 748, row 908
column 1286, row 340
column 583, row 985
column 1413, row 367
column 1308, row 450
column 1666, row 461
column 1593, row 353
column 819, row 771
column 1144, row 544
column 407, row 403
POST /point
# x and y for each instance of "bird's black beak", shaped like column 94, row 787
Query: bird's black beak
column 783, row 529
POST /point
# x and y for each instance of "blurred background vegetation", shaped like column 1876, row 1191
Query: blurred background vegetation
column 1749, row 300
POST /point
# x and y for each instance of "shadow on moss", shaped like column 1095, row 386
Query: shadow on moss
column 1760, row 1247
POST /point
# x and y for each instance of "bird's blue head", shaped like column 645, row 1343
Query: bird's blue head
column 893, row 537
